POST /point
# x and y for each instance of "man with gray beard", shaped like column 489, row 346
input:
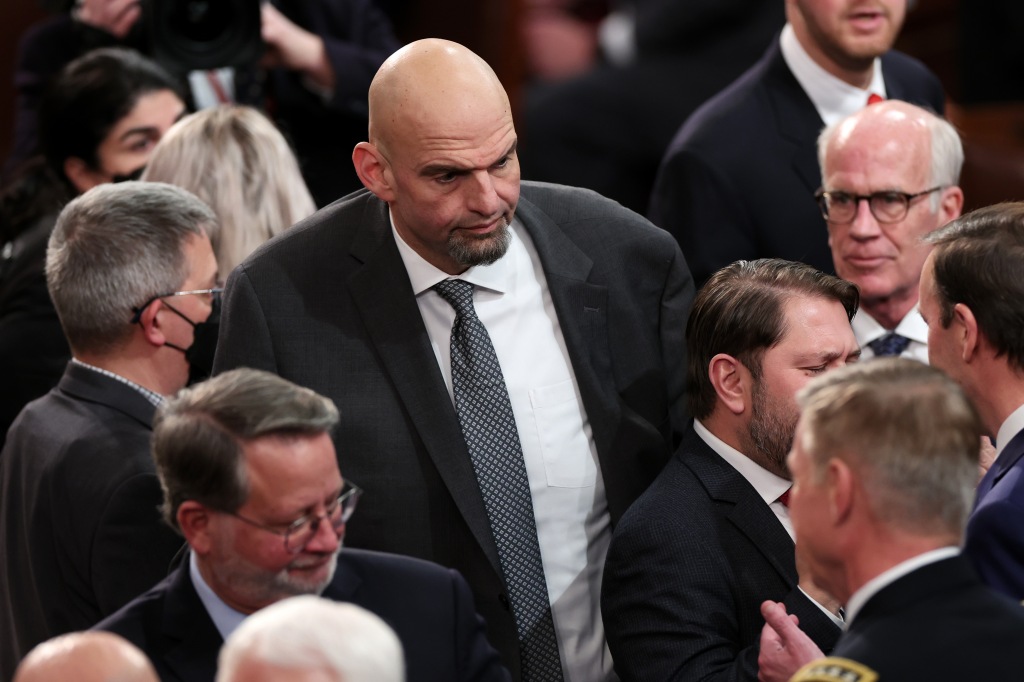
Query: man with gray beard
column 694, row 557
column 251, row 479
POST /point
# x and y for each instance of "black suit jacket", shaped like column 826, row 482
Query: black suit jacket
column 690, row 563
column 938, row 623
column 329, row 305
column 739, row 178
column 79, row 525
column 429, row 608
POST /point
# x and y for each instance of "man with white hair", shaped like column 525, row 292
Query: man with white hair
column 889, row 175
column 312, row 639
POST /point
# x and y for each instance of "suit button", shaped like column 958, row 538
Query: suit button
column 504, row 601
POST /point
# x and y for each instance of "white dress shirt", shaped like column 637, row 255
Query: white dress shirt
column 1013, row 425
column 512, row 299
column 225, row 618
column 866, row 329
column 834, row 99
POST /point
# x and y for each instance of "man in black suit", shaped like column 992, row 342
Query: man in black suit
column 694, row 557
column 251, row 480
column 739, row 179
column 583, row 301
column 884, row 465
column 131, row 272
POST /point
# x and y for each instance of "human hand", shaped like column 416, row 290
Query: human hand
column 784, row 646
column 293, row 47
column 558, row 45
column 986, row 457
column 116, row 17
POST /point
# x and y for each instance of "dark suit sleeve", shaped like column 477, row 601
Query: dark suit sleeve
column 668, row 612
column 676, row 301
column 133, row 549
column 477, row 658
column 244, row 339
column 702, row 209
column 995, row 545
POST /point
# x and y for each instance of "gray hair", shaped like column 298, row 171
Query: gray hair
column 310, row 633
column 235, row 160
column 908, row 429
column 198, row 434
column 114, row 248
column 947, row 151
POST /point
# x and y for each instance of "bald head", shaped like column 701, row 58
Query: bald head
column 433, row 86
column 86, row 657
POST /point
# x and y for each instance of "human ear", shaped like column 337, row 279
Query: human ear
column 731, row 381
column 372, row 169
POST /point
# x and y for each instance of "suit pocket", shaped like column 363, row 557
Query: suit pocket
column 568, row 461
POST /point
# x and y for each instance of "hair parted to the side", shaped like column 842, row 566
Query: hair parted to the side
column 344, row 641
column 739, row 311
column 978, row 261
column 910, row 432
column 234, row 159
column 114, row 248
column 198, row 434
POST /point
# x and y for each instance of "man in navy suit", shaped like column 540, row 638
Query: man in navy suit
column 694, row 557
column 251, row 479
column 739, row 179
column 131, row 273
column 972, row 297
column 884, row 464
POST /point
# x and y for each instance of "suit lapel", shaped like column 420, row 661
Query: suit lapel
column 749, row 512
column 796, row 118
column 193, row 639
column 91, row 386
column 383, row 295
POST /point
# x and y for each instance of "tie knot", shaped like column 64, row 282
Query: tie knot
column 875, row 98
column 784, row 498
column 458, row 293
column 890, row 344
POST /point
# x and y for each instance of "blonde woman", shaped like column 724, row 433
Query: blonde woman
column 234, row 159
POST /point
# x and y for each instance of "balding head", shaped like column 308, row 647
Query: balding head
column 908, row 160
column 442, row 154
column 86, row 657
column 432, row 84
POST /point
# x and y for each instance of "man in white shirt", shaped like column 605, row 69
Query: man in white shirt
column 889, row 176
column 694, row 557
column 972, row 297
column 739, row 179
column 884, row 464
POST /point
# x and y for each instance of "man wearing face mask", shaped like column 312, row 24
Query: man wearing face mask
column 132, row 274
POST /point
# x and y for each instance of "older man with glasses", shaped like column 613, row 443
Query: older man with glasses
column 79, row 528
column 251, row 479
column 889, row 175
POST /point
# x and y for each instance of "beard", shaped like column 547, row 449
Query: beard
column 771, row 430
column 258, row 585
column 470, row 250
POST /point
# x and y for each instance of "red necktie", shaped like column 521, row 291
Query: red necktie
column 874, row 98
column 784, row 498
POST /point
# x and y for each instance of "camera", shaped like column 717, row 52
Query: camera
column 187, row 35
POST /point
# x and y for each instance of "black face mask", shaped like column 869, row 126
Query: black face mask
column 134, row 175
column 204, row 343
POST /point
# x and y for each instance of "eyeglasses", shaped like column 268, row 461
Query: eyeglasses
column 212, row 293
column 888, row 206
column 300, row 532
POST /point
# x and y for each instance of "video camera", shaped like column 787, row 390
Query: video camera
column 187, row 35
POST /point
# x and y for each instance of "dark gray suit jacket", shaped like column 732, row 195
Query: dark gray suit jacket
column 739, row 178
column 329, row 305
column 79, row 525
column 690, row 564
column 428, row 607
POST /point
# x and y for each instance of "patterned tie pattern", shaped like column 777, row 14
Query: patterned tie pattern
column 489, row 427
column 890, row 344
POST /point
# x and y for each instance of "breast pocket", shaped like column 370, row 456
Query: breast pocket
column 568, row 461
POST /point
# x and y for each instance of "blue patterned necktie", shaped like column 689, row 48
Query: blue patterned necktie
column 489, row 428
column 890, row 344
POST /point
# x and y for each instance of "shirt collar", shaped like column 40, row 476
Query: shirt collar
column 422, row 275
column 834, row 99
column 1013, row 425
column 873, row 586
column 769, row 486
column 866, row 329
column 223, row 616
column 155, row 398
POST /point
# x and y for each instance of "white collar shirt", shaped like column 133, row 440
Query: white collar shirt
column 866, row 329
